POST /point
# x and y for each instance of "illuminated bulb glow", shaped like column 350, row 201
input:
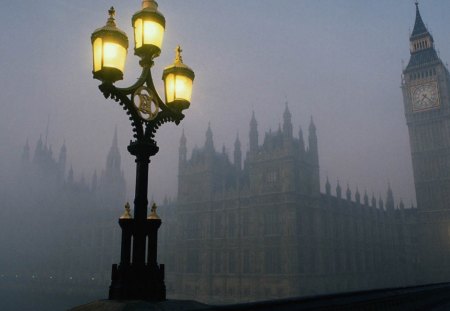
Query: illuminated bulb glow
column 151, row 33
column 112, row 54
column 178, row 88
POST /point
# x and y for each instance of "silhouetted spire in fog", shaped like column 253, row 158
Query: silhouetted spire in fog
column 253, row 134
column 237, row 153
column 209, row 143
column 287, row 123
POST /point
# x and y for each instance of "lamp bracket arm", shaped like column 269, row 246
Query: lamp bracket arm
column 143, row 129
column 165, row 115
column 120, row 96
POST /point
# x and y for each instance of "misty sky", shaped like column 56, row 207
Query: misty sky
column 338, row 60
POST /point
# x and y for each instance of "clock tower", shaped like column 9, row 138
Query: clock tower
column 425, row 86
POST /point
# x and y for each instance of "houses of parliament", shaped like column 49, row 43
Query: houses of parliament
column 254, row 227
column 260, row 228
column 58, row 228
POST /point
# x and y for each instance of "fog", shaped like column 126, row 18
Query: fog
column 337, row 61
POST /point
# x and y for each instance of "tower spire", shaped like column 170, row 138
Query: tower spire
column 301, row 141
column 419, row 25
column 182, row 150
column 287, row 123
column 113, row 159
column 237, row 153
column 390, row 198
column 253, row 135
column 357, row 196
column 209, row 144
column 327, row 187
column 338, row 190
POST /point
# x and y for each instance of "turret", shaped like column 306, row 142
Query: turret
column 374, row 201
column 113, row 159
column 338, row 190
column 366, row 198
column 237, row 154
column 313, row 157
column 209, row 143
column 420, row 38
column 422, row 50
column 380, row 203
column 312, row 146
column 182, row 151
column 301, row 141
column 253, row 135
column 38, row 152
column 348, row 193
column 287, row 123
column 357, row 196
column 389, row 199
column 112, row 179
column 327, row 187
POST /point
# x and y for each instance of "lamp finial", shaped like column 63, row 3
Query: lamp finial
column 153, row 214
column 178, row 57
column 127, row 213
column 151, row 4
column 112, row 13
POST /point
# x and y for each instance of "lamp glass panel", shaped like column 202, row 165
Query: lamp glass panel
column 97, row 51
column 170, row 88
column 138, row 33
column 183, row 88
column 114, row 55
column 153, row 33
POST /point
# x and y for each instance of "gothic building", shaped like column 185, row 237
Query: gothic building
column 264, row 230
column 260, row 228
column 64, row 236
column 426, row 94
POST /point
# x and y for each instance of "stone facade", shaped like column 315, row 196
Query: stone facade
column 426, row 93
column 265, row 230
column 59, row 232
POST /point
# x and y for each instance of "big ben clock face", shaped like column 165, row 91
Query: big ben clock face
column 425, row 96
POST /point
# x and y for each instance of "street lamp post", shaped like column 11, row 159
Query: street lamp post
column 138, row 276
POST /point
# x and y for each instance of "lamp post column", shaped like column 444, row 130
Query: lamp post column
column 142, row 151
column 138, row 276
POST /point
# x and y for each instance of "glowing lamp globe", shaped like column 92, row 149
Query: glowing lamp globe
column 109, row 47
column 178, row 79
column 148, row 25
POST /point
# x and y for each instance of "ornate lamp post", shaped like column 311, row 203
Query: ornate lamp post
column 138, row 276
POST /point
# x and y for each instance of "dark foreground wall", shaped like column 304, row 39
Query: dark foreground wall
column 430, row 297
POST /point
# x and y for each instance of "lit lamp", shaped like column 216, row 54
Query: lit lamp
column 178, row 79
column 148, row 24
column 138, row 276
column 109, row 46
